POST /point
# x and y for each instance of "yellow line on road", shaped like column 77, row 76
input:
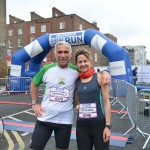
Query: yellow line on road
column 19, row 139
column 9, row 140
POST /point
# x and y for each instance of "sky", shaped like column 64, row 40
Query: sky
column 128, row 20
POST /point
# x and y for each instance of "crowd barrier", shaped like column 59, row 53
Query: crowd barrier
column 15, row 84
column 117, row 92
column 143, row 117
column 112, row 87
column 141, row 82
column 137, row 104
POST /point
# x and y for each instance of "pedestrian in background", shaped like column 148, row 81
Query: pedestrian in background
column 134, row 71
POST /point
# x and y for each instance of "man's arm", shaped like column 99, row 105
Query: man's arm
column 33, row 91
column 38, row 110
column 75, row 99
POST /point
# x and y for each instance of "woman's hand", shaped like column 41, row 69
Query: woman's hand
column 106, row 135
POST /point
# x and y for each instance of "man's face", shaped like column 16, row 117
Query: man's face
column 63, row 55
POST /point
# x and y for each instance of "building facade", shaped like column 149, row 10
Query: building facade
column 3, row 52
column 137, row 55
column 19, row 33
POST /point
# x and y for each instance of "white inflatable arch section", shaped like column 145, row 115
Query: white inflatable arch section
column 35, row 52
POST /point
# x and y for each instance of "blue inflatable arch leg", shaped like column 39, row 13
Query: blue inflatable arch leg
column 35, row 52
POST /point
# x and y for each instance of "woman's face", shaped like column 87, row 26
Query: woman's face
column 83, row 63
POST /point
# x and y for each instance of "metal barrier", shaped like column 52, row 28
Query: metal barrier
column 117, row 92
column 14, row 84
column 137, row 104
column 143, row 117
column 121, row 95
column 112, row 91
column 141, row 80
column 1, row 127
column 131, row 101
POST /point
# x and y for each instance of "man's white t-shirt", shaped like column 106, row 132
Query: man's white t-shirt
column 58, row 98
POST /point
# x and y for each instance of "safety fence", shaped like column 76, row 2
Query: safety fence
column 141, row 81
column 14, row 84
column 117, row 92
column 137, row 106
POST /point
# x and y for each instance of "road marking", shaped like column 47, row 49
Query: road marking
column 24, row 134
column 16, row 113
column 30, row 113
column 9, row 140
column 19, row 139
column 14, row 118
column 25, row 111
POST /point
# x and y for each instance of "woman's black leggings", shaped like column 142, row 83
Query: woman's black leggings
column 90, row 134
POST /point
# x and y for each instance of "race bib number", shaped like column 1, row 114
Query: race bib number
column 87, row 111
column 59, row 95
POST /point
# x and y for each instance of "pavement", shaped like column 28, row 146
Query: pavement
column 21, row 110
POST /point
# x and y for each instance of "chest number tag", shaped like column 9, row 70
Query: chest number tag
column 88, row 110
column 59, row 95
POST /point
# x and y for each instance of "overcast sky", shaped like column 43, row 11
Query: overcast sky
column 128, row 20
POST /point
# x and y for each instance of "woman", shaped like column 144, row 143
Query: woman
column 94, row 115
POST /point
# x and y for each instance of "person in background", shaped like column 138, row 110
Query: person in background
column 134, row 71
column 56, row 110
column 94, row 114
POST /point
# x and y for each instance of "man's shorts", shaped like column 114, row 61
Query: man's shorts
column 43, row 132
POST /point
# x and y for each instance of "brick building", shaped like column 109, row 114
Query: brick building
column 20, row 33
column 3, row 65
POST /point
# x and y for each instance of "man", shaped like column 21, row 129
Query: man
column 56, row 110
column 134, row 71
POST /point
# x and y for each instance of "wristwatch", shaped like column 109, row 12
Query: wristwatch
column 33, row 102
column 108, row 126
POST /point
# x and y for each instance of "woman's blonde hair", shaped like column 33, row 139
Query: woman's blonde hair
column 84, row 52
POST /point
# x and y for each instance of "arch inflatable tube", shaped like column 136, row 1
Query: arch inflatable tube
column 35, row 52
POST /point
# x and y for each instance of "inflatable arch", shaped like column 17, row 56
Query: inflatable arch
column 35, row 52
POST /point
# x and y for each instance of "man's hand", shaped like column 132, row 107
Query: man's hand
column 104, row 78
column 38, row 110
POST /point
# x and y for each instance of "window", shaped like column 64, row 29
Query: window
column 43, row 28
column 10, row 43
column 10, row 32
column 32, row 39
column 20, row 43
column 32, row 29
column 20, row 32
column 80, row 27
column 62, row 25
column 9, row 52
column 95, row 57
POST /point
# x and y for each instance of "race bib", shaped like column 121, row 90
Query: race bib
column 59, row 95
column 87, row 111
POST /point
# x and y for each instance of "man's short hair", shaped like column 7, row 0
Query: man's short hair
column 62, row 43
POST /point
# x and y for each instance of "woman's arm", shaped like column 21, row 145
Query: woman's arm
column 107, row 109
column 106, row 102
